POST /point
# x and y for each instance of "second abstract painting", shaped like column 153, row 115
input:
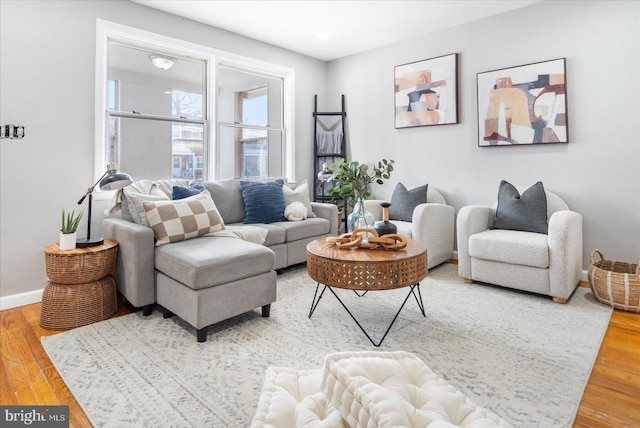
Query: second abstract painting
column 523, row 105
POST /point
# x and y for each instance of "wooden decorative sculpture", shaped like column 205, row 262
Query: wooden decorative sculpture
column 355, row 240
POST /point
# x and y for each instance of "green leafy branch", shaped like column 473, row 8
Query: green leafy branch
column 353, row 178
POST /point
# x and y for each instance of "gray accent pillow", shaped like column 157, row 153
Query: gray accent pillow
column 526, row 212
column 135, row 202
column 227, row 195
column 404, row 201
column 124, row 208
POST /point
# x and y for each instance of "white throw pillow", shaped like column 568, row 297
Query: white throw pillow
column 299, row 194
column 295, row 211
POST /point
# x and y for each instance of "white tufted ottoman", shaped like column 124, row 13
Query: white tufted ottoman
column 293, row 398
column 396, row 389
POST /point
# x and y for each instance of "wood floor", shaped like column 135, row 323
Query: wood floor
column 27, row 376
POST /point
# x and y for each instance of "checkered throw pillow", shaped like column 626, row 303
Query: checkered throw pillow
column 174, row 221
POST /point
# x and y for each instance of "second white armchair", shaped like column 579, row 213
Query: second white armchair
column 548, row 263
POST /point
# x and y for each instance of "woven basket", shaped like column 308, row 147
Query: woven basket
column 80, row 268
column 68, row 306
column 616, row 284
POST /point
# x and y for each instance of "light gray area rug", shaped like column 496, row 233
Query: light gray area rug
column 520, row 355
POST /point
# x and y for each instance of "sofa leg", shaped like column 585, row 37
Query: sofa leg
column 559, row 300
column 166, row 313
column 266, row 310
column 468, row 281
column 201, row 334
column 147, row 310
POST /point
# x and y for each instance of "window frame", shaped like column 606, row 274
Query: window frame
column 106, row 31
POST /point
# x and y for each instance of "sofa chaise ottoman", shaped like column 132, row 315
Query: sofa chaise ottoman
column 210, row 278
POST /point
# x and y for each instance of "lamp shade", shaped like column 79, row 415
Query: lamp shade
column 115, row 180
column 110, row 180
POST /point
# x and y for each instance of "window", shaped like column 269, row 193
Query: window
column 211, row 115
column 156, row 116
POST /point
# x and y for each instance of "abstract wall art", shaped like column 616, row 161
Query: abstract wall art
column 523, row 105
column 426, row 92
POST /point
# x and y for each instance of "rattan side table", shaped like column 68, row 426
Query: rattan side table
column 81, row 289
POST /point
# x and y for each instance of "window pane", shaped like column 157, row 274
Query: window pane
column 255, row 107
column 154, row 149
column 250, row 152
column 255, row 158
column 186, row 104
column 112, row 96
column 188, row 147
column 145, row 147
column 248, row 98
column 143, row 88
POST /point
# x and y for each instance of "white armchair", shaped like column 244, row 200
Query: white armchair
column 544, row 264
column 432, row 224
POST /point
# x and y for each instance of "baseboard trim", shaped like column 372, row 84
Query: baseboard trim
column 22, row 299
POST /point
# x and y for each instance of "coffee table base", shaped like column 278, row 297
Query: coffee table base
column 412, row 290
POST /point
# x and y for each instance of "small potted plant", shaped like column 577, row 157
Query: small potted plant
column 353, row 180
column 70, row 222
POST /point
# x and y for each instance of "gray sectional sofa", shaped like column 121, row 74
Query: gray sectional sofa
column 214, row 277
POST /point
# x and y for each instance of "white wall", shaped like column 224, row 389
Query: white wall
column 597, row 172
column 47, row 74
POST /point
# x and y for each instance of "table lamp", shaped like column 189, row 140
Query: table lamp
column 112, row 179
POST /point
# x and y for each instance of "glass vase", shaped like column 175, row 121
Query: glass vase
column 360, row 217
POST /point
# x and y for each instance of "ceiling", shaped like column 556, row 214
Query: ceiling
column 351, row 26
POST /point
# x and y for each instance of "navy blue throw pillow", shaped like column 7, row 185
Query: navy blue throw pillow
column 263, row 201
column 526, row 212
column 181, row 192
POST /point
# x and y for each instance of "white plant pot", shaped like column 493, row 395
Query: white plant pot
column 67, row 241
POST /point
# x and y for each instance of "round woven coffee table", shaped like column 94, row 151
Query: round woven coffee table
column 366, row 270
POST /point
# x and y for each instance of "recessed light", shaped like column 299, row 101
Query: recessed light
column 323, row 36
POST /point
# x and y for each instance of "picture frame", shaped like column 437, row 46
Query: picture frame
column 523, row 105
column 426, row 92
